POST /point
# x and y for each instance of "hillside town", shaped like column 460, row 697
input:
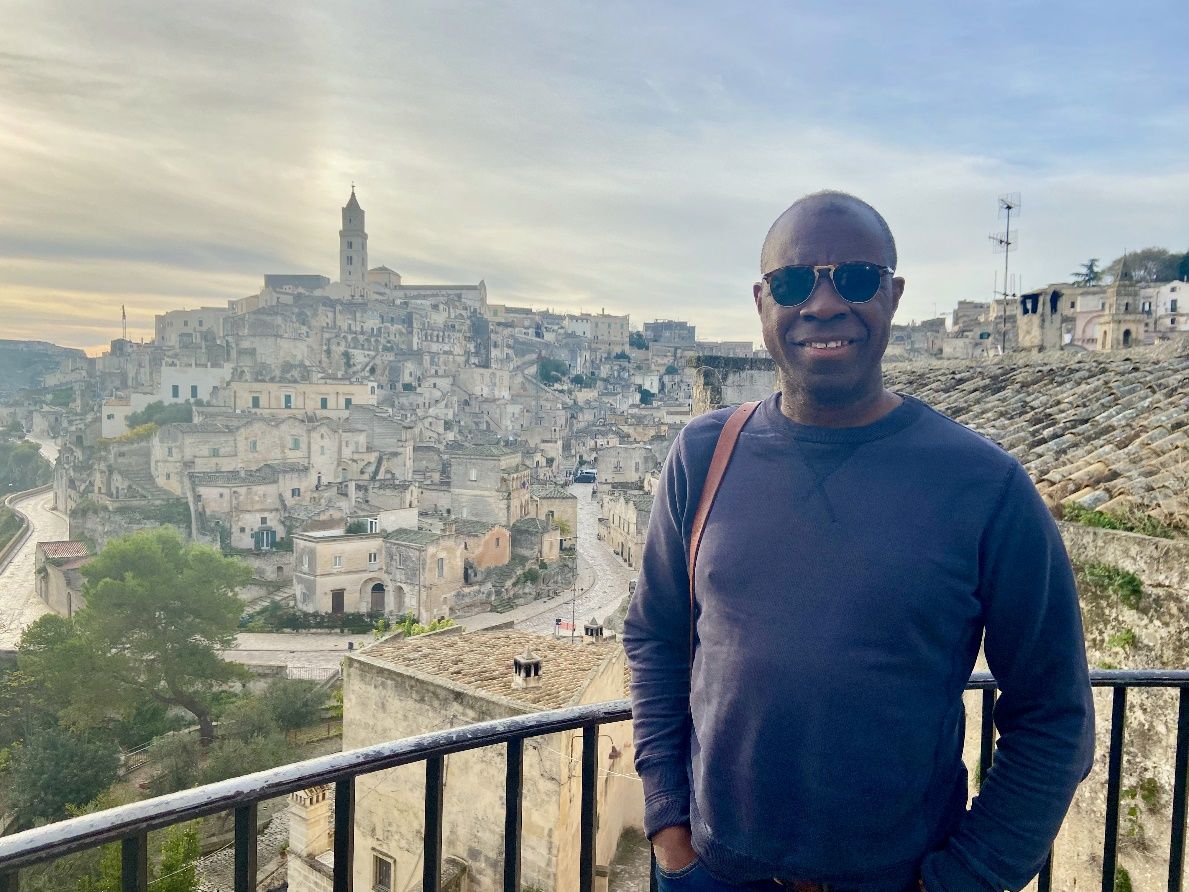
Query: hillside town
column 443, row 501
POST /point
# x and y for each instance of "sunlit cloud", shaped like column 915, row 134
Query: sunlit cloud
column 619, row 156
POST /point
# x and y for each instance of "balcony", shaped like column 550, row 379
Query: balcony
column 130, row 824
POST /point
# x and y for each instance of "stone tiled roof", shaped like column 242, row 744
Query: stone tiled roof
column 482, row 661
column 532, row 525
column 244, row 476
column 1109, row 430
column 492, row 451
column 551, row 491
column 63, row 549
column 414, row 537
column 473, row 527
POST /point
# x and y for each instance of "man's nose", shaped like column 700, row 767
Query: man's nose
column 824, row 302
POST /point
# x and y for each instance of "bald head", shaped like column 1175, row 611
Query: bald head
column 838, row 216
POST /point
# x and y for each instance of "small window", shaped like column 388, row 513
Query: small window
column 214, row 452
column 295, row 492
column 381, row 874
column 255, row 402
column 251, row 446
column 350, row 260
column 1172, row 305
column 373, row 525
column 167, row 476
column 294, row 443
column 473, row 474
column 169, row 452
column 347, row 402
column 350, row 244
column 399, row 561
column 193, row 391
column 372, row 557
column 338, row 561
column 305, row 562
column 288, row 401
column 264, row 521
column 441, row 567
column 322, row 403
column 175, row 391
column 497, row 541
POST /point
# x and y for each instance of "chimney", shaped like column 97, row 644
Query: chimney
column 526, row 670
column 309, row 821
column 592, row 632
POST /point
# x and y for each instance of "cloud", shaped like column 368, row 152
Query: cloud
column 619, row 156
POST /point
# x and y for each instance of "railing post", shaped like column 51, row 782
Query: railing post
column 987, row 750
column 344, row 835
column 431, row 878
column 134, row 863
column 1176, row 847
column 1044, row 882
column 245, row 848
column 1114, row 781
column 512, row 814
column 590, row 779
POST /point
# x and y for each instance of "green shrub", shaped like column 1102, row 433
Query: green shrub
column 1124, row 639
column 1122, row 880
column 1130, row 522
column 1112, row 581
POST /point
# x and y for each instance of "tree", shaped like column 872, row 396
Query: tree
column 54, row 769
column 1183, row 268
column 646, row 396
column 159, row 413
column 671, row 369
column 637, row 341
column 550, row 371
column 175, row 756
column 292, row 703
column 157, row 612
column 1090, row 273
column 1147, row 265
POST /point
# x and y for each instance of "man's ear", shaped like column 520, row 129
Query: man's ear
column 757, row 291
column 897, row 293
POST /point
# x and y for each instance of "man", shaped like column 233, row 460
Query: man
column 860, row 547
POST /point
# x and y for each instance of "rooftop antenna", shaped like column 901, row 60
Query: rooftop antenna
column 1009, row 204
column 124, row 318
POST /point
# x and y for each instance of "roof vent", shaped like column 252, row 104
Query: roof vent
column 526, row 670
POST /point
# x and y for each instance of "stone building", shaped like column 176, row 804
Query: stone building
column 400, row 688
column 57, row 575
column 353, row 246
column 1044, row 323
column 624, row 523
column 488, row 483
column 556, row 505
column 185, row 328
column 336, row 572
column 536, row 539
column 1122, row 325
column 246, row 507
column 625, row 463
column 426, row 570
column 328, row 398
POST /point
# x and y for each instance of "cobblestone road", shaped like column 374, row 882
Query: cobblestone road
column 19, row 604
column 603, row 577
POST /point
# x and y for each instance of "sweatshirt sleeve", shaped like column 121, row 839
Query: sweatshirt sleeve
column 656, row 638
column 1044, row 715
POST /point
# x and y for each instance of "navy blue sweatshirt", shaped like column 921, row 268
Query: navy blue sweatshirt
column 845, row 579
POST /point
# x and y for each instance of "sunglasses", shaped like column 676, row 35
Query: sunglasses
column 855, row 281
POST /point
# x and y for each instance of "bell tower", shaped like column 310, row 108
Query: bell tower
column 353, row 246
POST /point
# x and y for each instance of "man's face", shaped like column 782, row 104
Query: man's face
column 829, row 376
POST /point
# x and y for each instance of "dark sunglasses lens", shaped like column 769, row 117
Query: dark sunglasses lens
column 857, row 282
column 792, row 285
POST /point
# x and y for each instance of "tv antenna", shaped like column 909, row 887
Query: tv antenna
column 1003, row 243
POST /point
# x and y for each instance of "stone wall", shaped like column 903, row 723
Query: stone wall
column 730, row 380
column 1163, row 562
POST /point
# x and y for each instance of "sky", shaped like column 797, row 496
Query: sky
column 608, row 155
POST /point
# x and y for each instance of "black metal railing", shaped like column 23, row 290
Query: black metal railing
column 130, row 824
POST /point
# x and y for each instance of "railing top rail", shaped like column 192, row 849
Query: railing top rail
column 86, row 831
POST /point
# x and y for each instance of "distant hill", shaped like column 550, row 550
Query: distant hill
column 24, row 364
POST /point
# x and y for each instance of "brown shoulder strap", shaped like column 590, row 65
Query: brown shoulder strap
column 723, row 450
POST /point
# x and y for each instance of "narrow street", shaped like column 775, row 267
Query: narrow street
column 19, row 604
column 603, row 576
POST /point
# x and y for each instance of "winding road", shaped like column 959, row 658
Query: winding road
column 19, row 604
column 603, row 576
